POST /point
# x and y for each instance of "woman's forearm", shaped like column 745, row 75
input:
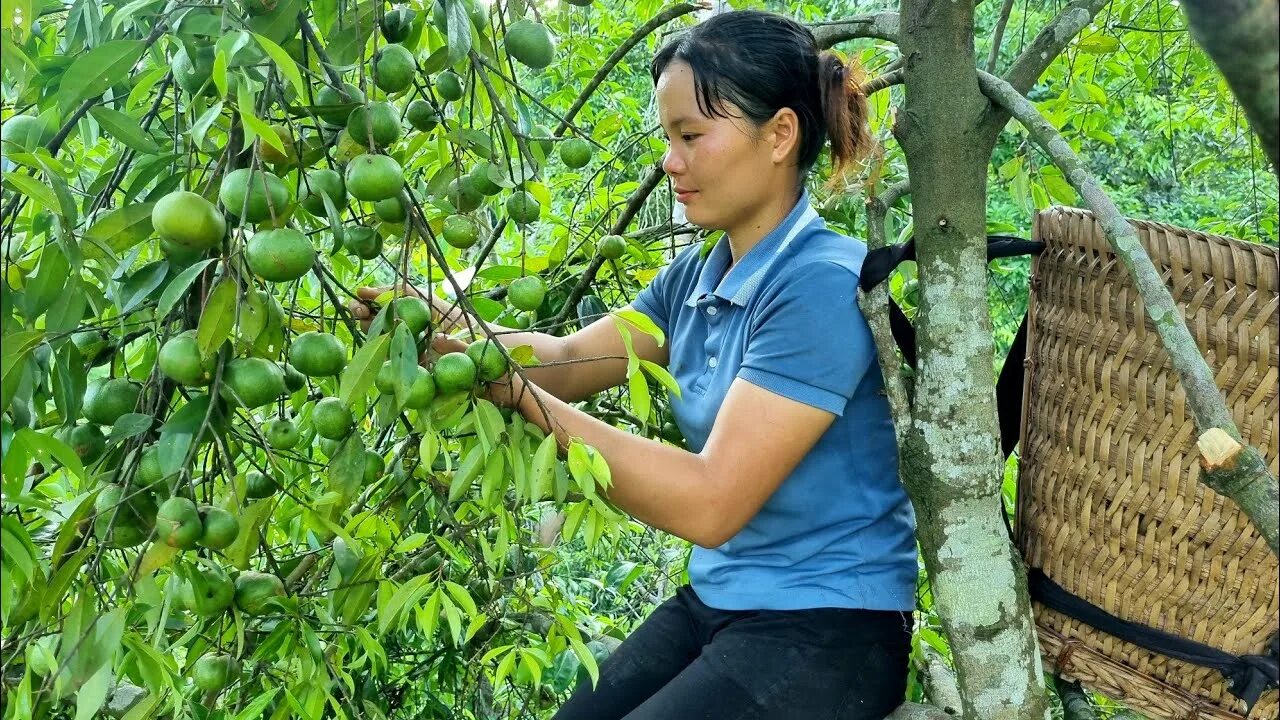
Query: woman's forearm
column 660, row 485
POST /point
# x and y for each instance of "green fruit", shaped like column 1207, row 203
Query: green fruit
column 122, row 523
column 194, row 73
column 260, row 7
column 575, row 152
column 178, row 523
column 526, row 293
column 318, row 354
column 220, row 527
column 376, row 124
column 422, row 391
column 285, row 157
column 374, row 177
column 27, row 131
column 86, row 441
column 329, row 447
column 259, row 486
column 180, row 360
column 331, row 419
column 422, row 116
column 254, row 195
column 179, row 256
column 374, row 466
column 523, row 208
column 546, row 146
column 282, row 434
column 460, row 231
column 463, row 194
column 481, row 181
column 397, row 23
column 391, row 210
column 107, row 399
column 385, row 380
column 515, row 320
column 530, row 43
column 254, row 590
column 280, row 255
column 449, row 86
column 332, row 108
column 365, row 243
column 478, row 13
column 393, row 68
column 413, row 312
column 488, row 359
column 454, row 371
column 319, row 184
column 347, row 148
column 293, row 380
column 211, row 593
column 612, row 247
column 212, row 673
column 252, row 382
column 149, row 471
column 188, row 220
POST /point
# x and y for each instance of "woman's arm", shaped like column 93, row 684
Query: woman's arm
column 757, row 440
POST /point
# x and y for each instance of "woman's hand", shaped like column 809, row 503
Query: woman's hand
column 361, row 307
column 506, row 391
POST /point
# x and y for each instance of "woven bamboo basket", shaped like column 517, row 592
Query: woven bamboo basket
column 1110, row 506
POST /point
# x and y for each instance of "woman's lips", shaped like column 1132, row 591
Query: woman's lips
column 682, row 196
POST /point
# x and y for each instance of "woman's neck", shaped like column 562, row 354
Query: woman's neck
column 747, row 234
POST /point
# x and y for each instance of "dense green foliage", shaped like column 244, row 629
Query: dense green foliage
column 390, row 560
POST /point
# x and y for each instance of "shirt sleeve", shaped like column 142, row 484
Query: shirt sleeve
column 809, row 340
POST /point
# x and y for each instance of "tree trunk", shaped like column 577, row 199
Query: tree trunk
column 951, row 457
column 1243, row 38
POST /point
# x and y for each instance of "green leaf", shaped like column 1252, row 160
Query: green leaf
column 201, row 126
column 48, row 283
column 659, row 373
column 288, row 68
column 459, row 29
column 125, row 129
column 1099, row 44
column 130, row 425
column 91, row 73
column 642, row 322
column 254, row 710
column 468, row 470
column 404, row 362
column 489, row 420
column 346, row 469
column 33, row 189
column 120, row 229
column 640, row 402
column 218, row 316
column 50, row 448
column 544, row 463
column 16, row 348
column 140, row 285
column 177, row 287
column 251, row 519
column 16, row 15
column 255, row 127
column 362, row 369
column 93, row 693
column 177, row 434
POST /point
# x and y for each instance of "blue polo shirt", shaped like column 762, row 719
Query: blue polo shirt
column 840, row 530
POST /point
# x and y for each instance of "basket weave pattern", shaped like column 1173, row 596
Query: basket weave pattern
column 1109, row 501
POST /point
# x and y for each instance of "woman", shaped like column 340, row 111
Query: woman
column 802, row 578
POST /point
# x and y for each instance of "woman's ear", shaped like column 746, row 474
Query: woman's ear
column 783, row 134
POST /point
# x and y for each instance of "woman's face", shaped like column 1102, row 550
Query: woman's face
column 722, row 169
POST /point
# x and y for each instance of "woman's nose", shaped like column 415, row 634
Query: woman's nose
column 672, row 163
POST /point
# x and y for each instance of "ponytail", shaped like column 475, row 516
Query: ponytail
column 844, row 108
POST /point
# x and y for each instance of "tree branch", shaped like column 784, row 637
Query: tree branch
column 998, row 38
column 1241, row 38
column 882, row 25
column 1050, row 43
column 916, row 711
column 875, row 305
column 1248, row 481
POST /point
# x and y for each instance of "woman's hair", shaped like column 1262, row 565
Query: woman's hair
column 762, row 62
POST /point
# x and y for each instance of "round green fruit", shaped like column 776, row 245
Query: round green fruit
column 194, row 74
column 254, row 590
column 393, row 68
column 489, row 362
column 376, row 124
column 282, row 434
column 213, row 673
column 178, row 523
column 449, row 86
column 252, row 382
column 284, row 157
column 188, row 220
column 253, row 195
column 280, row 255
column 463, row 194
column 214, row 595
column 180, row 360
column 413, row 312
column 150, row 473
column 119, row 522
column 347, row 148
column 391, row 210
column 259, row 486
column 546, row 146
column 530, row 43
column 331, row 419
column 422, row 116
column 179, row 256
column 523, row 208
column 86, row 441
column 612, row 247
column 318, row 354
column 374, row 177
column 481, row 181
column 385, row 380
column 107, row 399
column 319, row 184
column 332, row 108
column 293, row 380
column 575, row 152
column 454, row 371
column 220, row 527
column 527, row 293
column 374, row 466
column 460, row 231
column 365, row 243
column 397, row 23
column 422, row 391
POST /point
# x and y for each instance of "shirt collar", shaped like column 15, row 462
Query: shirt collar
column 740, row 283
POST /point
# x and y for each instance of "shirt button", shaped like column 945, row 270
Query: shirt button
column 711, row 310
column 712, row 361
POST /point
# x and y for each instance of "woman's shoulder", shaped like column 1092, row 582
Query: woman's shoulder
column 824, row 250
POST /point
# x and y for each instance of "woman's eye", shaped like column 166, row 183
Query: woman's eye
column 687, row 137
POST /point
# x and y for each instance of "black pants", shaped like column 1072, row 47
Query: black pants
column 688, row 661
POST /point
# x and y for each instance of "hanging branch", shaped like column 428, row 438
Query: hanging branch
column 883, row 25
column 1049, row 44
column 1238, row 472
column 998, row 38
